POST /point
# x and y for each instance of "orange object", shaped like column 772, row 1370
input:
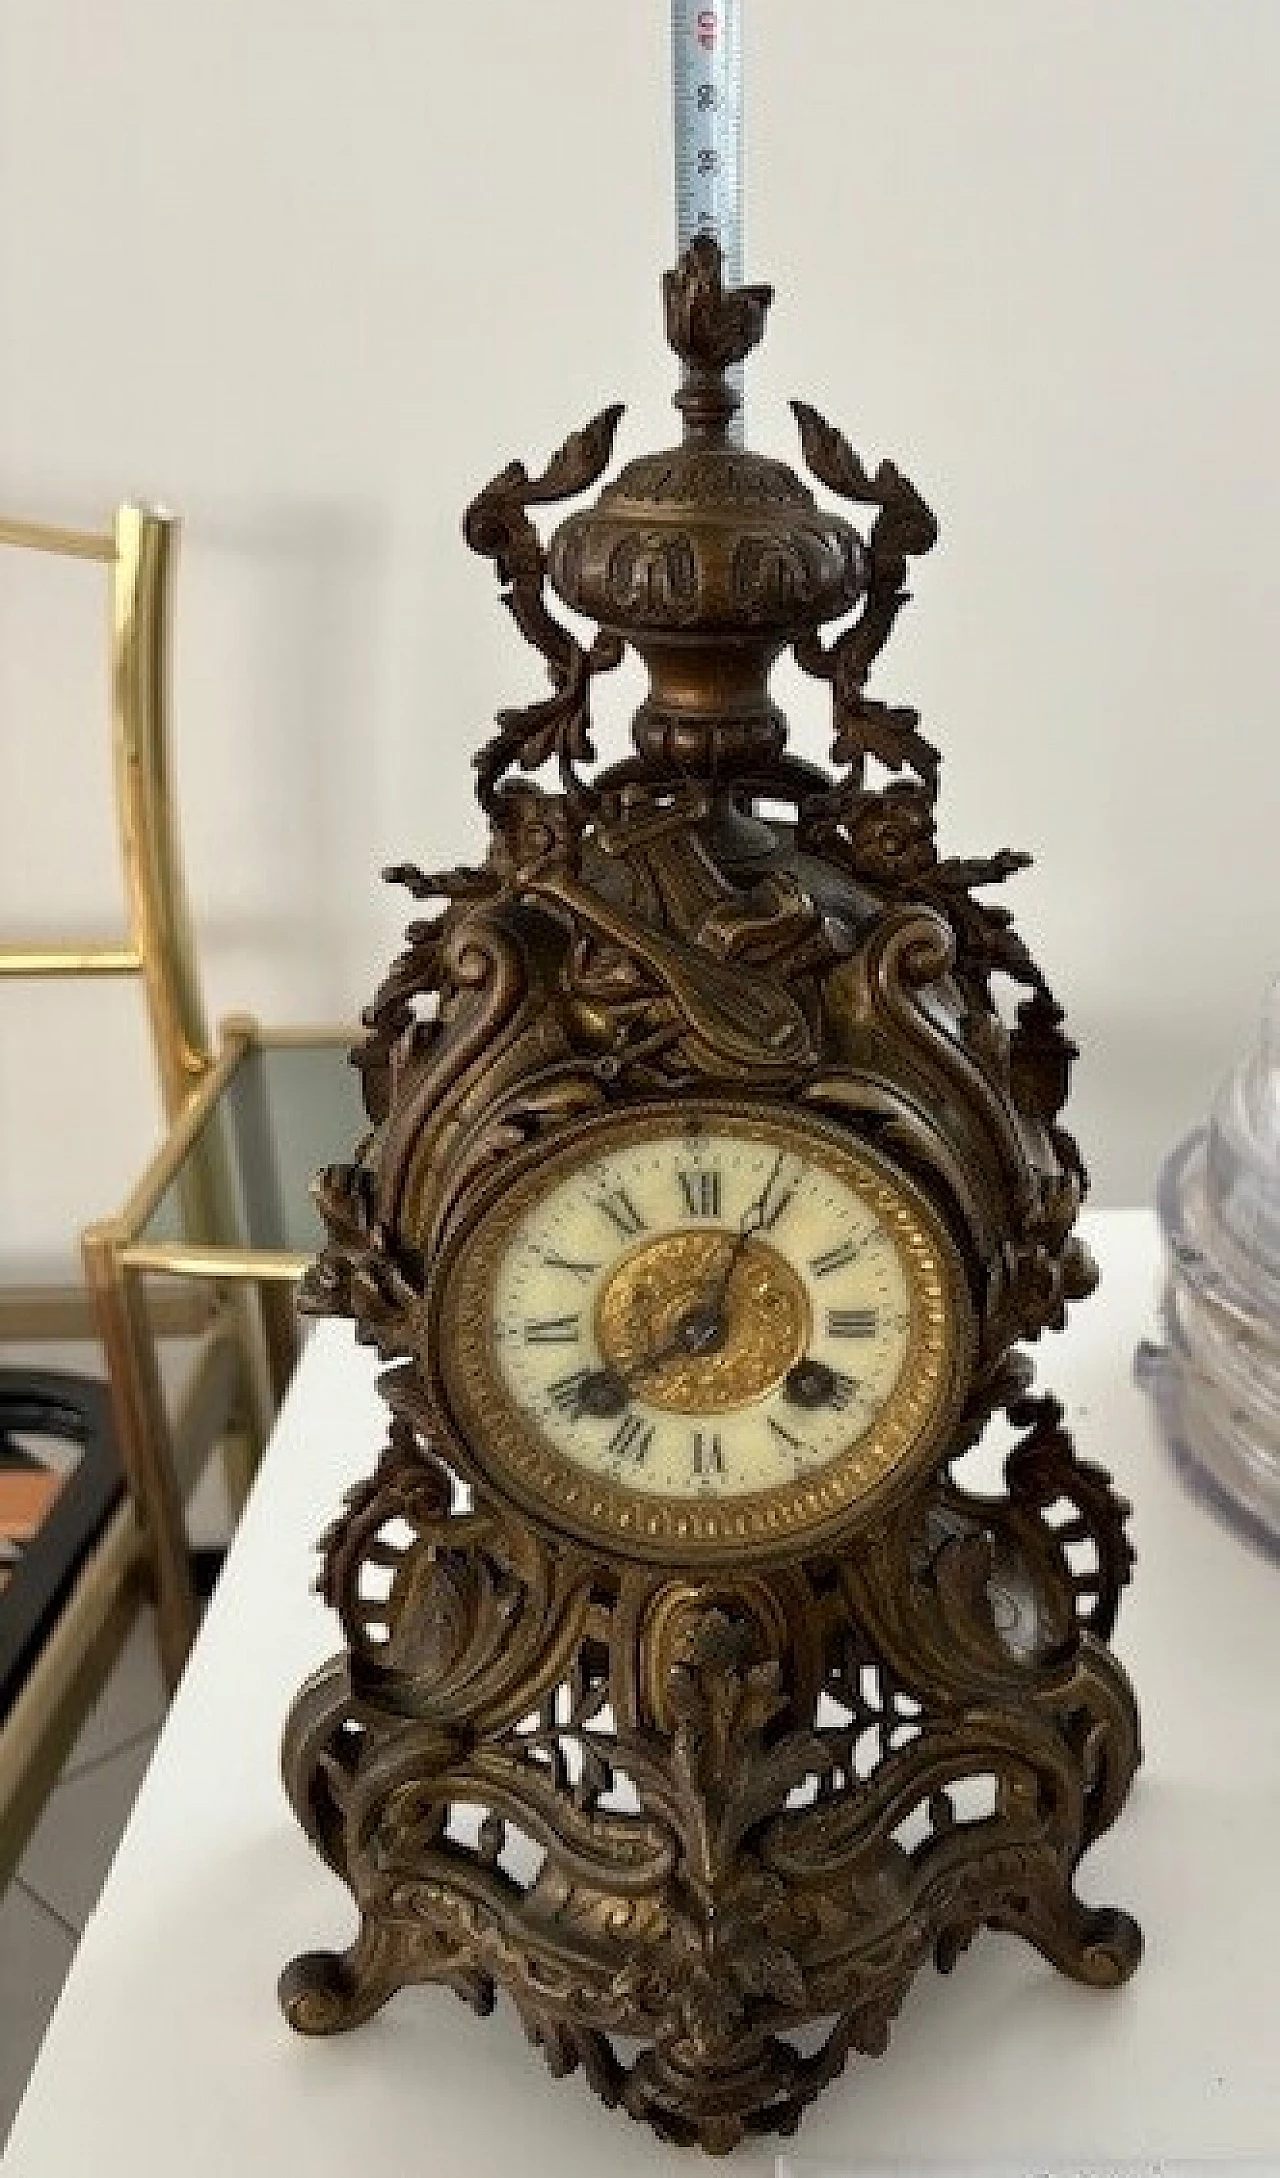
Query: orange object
column 26, row 1493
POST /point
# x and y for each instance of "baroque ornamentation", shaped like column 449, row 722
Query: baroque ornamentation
column 655, row 575
column 497, row 525
column 702, row 1822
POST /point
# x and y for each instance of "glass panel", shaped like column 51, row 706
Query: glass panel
column 287, row 1111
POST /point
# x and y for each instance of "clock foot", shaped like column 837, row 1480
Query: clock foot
column 1099, row 1946
column 326, row 1992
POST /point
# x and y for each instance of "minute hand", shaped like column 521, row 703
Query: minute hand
column 749, row 1225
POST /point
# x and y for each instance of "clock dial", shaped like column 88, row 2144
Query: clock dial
column 701, row 1313
column 703, row 1325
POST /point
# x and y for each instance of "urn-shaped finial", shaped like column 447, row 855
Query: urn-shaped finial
column 709, row 559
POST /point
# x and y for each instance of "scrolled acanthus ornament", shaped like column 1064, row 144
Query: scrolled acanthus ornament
column 703, row 1818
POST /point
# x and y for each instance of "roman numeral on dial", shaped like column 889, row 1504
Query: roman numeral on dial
column 553, row 1331
column 566, row 1392
column 584, row 1271
column 852, row 1323
column 631, row 1439
column 835, row 1258
column 617, row 1206
column 708, row 1454
column 700, row 1192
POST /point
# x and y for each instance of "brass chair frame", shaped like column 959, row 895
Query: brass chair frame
column 139, row 553
column 121, row 1262
column 136, row 1548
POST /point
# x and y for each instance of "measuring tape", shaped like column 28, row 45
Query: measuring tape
column 706, row 76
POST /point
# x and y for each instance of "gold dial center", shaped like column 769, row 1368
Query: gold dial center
column 698, row 1325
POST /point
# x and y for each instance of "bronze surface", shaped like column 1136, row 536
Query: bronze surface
column 651, row 1294
column 702, row 1800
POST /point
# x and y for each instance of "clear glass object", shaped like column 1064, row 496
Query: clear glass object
column 1217, row 1377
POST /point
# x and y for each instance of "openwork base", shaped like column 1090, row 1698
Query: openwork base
column 769, row 2085
column 704, row 1832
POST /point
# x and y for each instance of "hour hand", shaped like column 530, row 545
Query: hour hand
column 604, row 1392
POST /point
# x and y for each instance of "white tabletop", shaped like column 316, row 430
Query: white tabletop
column 167, row 2054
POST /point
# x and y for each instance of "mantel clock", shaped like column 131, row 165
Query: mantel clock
column 712, row 1192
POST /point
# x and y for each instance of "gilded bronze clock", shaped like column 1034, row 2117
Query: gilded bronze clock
column 716, row 1182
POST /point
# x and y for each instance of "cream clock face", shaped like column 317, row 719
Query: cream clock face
column 701, row 1324
column 701, row 1313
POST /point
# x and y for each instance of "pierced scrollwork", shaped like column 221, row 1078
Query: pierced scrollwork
column 703, row 1857
column 702, row 1826
column 886, row 838
column 1044, row 1472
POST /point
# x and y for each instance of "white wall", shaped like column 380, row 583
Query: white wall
column 312, row 270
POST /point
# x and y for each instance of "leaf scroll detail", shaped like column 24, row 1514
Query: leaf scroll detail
column 903, row 529
column 497, row 526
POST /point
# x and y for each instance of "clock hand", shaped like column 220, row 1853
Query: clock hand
column 754, row 1215
column 699, row 1329
column 687, row 1337
column 749, row 1225
column 603, row 1393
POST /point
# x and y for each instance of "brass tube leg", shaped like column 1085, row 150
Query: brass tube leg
column 241, row 1453
column 142, row 1429
column 259, row 1401
column 280, row 1331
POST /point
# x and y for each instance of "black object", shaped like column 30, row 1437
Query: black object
column 75, row 1409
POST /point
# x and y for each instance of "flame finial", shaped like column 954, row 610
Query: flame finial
column 711, row 327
